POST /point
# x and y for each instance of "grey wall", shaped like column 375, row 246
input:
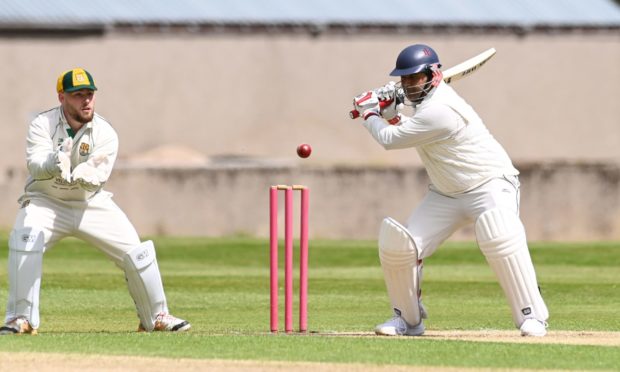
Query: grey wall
column 559, row 201
column 545, row 97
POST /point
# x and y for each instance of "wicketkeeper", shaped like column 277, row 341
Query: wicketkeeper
column 70, row 154
column 472, row 181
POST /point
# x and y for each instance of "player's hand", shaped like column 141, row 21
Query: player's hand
column 367, row 104
column 63, row 159
column 387, row 93
column 92, row 173
column 88, row 186
column 86, row 177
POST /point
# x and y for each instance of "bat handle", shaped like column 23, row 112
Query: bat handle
column 354, row 114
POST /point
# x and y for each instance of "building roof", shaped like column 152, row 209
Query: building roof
column 494, row 13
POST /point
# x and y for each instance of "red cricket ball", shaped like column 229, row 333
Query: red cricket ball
column 304, row 150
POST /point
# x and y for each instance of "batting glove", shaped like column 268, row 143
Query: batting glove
column 62, row 159
column 386, row 92
column 389, row 112
column 367, row 104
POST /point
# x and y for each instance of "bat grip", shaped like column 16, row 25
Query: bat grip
column 354, row 114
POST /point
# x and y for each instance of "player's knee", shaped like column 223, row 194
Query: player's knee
column 140, row 256
column 27, row 239
column 396, row 243
column 499, row 232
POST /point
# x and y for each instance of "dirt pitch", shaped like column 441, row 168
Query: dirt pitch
column 553, row 337
column 23, row 361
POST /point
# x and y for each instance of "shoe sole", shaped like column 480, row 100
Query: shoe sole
column 181, row 327
column 185, row 326
column 13, row 331
column 384, row 333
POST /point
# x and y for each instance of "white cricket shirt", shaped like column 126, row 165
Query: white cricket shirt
column 46, row 132
column 457, row 150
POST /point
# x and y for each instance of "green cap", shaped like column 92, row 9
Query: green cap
column 76, row 79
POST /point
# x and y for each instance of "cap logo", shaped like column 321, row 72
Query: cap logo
column 427, row 52
column 80, row 78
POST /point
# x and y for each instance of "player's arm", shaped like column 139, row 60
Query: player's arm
column 42, row 158
column 432, row 124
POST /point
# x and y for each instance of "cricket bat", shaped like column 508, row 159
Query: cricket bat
column 454, row 73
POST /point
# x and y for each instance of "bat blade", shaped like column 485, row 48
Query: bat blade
column 468, row 67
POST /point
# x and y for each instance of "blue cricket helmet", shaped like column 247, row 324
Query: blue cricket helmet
column 415, row 58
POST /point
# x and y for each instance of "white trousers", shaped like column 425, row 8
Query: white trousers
column 499, row 233
column 40, row 223
column 99, row 222
column 439, row 216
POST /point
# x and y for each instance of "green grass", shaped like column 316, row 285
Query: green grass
column 222, row 287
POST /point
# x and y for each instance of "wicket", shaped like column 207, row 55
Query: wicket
column 288, row 257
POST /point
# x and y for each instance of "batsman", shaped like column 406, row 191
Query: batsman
column 70, row 152
column 473, row 181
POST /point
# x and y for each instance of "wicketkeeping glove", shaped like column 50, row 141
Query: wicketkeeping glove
column 367, row 104
column 62, row 159
column 92, row 173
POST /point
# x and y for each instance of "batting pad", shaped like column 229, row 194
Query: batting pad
column 501, row 238
column 26, row 248
column 399, row 260
column 144, row 282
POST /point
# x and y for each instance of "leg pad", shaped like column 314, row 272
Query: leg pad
column 26, row 247
column 144, row 283
column 399, row 260
column 501, row 238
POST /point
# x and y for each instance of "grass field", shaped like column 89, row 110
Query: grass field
column 222, row 287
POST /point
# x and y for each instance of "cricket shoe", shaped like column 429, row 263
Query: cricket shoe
column 533, row 327
column 167, row 323
column 397, row 326
column 19, row 325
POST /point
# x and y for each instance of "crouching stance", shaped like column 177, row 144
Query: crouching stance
column 70, row 153
column 473, row 181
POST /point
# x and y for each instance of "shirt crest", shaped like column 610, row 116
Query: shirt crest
column 84, row 149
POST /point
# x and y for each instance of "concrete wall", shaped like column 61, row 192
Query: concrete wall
column 543, row 96
column 559, row 201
